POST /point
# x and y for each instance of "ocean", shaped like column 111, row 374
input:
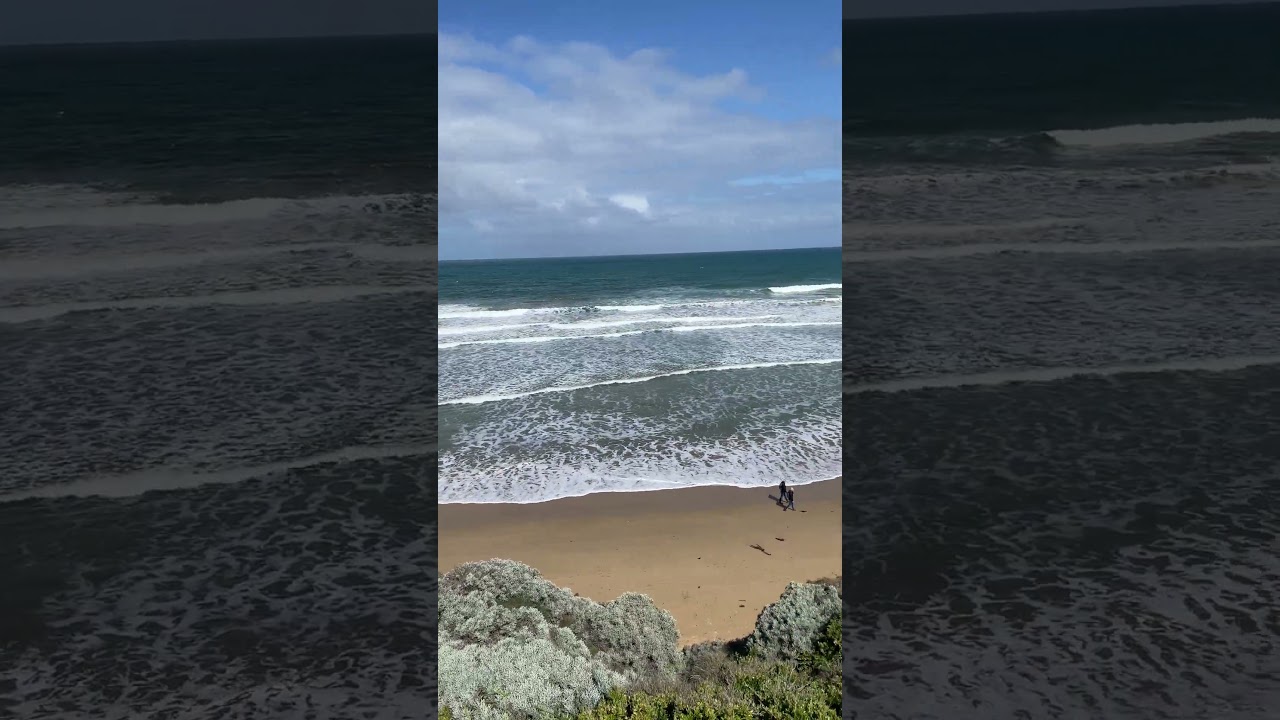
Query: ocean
column 217, row 444
column 1062, row 365
column 563, row 377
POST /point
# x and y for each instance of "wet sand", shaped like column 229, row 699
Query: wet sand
column 712, row 556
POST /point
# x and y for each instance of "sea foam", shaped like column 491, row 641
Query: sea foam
column 1159, row 134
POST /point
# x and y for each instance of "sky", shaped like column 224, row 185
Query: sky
column 854, row 9
column 95, row 21
column 585, row 128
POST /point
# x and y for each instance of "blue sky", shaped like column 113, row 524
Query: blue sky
column 774, row 42
column 571, row 128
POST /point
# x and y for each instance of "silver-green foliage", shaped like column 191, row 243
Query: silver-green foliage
column 789, row 627
column 512, row 644
column 521, row 678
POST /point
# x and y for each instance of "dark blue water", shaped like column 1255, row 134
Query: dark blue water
column 217, row 450
column 1061, row 354
column 593, row 280
column 223, row 119
column 985, row 88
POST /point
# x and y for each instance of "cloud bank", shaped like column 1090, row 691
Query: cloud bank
column 571, row 149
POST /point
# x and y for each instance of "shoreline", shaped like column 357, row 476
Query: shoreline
column 713, row 556
column 634, row 491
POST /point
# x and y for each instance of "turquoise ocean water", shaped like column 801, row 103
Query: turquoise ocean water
column 563, row 377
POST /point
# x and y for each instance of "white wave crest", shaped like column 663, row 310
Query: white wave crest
column 1161, row 134
column 179, row 477
column 477, row 329
column 809, row 453
column 282, row 296
column 479, row 399
column 788, row 289
column 1050, row 374
column 594, row 336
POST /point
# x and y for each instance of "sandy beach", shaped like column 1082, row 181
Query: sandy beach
column 712, row 556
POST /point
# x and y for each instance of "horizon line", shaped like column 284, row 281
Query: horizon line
column 634, row 255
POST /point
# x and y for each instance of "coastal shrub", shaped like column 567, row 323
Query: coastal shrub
column 752, row 689
column 792, row 626
column 697, row 705
column 825, row 660
column 726, row 681
column 783, row 692
column 521, row 678
column 633, row 635
column 829, row 645
column 713, row 664
column 513, row 644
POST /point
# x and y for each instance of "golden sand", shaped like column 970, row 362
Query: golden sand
column 712, row 556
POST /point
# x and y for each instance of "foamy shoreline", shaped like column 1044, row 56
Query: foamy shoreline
column 627, row 491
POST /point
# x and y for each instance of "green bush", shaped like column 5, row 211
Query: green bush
column 757, row 690
column 826, row 657
column 642, row 706
column 790, row 627
column 745, row 681
column 512, row 644
column 781, row 692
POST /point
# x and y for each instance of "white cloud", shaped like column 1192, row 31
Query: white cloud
column 635, row 203
column 553, row 149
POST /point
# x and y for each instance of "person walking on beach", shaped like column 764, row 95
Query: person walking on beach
column 791, row 499
column 782, row 494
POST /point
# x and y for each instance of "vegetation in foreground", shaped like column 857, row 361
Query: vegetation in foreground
column 514, row 645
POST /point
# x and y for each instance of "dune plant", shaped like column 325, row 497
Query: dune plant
column 791, row 627
column 513, row 644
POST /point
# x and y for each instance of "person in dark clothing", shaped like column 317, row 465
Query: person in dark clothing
column 791, row 499
column 782, row 494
